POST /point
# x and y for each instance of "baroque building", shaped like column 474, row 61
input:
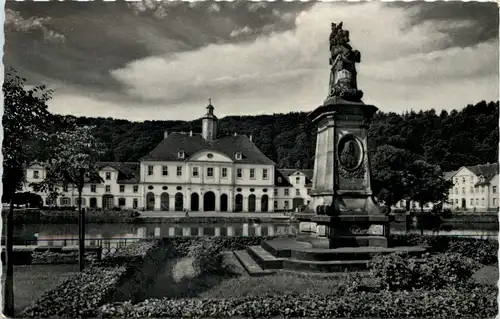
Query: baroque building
column 194, row 172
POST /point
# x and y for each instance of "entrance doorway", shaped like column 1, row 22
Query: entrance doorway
column 107, row 201
column 251, row 203
column 179, row 202
column 209, row 202
column 150, row 201
column 195, row 202
column 238, row 203
column 264, row 203
column 297, row 201
column 223, row 203
column 165, row 201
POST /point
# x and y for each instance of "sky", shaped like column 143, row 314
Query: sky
column 163, row 60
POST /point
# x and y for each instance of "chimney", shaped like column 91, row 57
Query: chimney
column 250, row 137
column 165, row 134
column 190, row 133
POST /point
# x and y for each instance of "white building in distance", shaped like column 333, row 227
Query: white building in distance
column 194, row 172
column 475, row 188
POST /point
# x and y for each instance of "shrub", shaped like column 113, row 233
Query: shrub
column 482, row 251
column 394, row 271
column 399, row 272
column 206, row 256
column 81, row 294
column 480, row 302
column 49, row 257
column 444, row 269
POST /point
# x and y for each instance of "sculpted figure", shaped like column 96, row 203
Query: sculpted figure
column 348, row 157
column 343, row 71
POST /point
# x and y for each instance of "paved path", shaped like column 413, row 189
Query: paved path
column 156, row 214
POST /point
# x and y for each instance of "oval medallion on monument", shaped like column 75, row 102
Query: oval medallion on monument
column 350, row 152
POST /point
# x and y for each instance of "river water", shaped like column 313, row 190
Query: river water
column 116, row 235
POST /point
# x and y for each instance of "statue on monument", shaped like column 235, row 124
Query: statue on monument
column 343, row 60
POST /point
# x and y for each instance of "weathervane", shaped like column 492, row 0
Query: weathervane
column 210, row 100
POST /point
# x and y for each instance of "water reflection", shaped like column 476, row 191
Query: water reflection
column 118, row 235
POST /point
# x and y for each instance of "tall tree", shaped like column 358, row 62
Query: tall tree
column 72, row 160
column 428, row 184
column 25, row 117
column 390, row 173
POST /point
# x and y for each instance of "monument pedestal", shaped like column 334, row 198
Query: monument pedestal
column 342, row 205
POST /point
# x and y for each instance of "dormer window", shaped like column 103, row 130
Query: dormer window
column 181, row 154
column 238, row 155
column 280, row 179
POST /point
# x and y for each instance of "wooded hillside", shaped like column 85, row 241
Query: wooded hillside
column 450, row 139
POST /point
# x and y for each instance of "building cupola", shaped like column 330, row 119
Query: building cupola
column 209, row 123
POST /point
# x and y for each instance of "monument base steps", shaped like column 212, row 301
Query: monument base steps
column 294, row 255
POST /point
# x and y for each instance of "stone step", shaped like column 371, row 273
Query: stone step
column 349, row 253
column 334, row 266
column 264, row 258
column 282, row 247
column 250, row 265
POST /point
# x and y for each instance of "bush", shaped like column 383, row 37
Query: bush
column 444, row 269
column 480, row 302
column 399, row 272
column 180, row 246
column 393, row 271
column 52, row 258
column 81, row 294
column 482, row 251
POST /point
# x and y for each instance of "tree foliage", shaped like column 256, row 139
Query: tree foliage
column 71, row 158
column 25, row 118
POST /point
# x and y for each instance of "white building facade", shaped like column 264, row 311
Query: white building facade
column 193, row 172
column 475, row 188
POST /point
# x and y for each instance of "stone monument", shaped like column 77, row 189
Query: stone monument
column 342, row 210
column 343, row 227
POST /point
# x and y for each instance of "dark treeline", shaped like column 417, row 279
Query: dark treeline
column 450, row 139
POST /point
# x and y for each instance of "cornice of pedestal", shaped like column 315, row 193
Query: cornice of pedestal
column 339, row 108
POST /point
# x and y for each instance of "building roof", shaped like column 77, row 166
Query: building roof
column 307, row 172
column 486, row 170
column 280, row 180
column 449, row 175
column 168, row 149
column 128, row 173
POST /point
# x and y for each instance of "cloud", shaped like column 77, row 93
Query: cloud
column 14, row 20
column 404, row 66
column 243, row 31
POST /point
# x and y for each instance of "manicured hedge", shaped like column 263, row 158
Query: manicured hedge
column 180, row 246
column 54, row 258
column 472, row 302
column 81, row 294
column 482, row 251
column 70, row 216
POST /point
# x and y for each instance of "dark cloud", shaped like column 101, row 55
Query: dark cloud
column 483, row 17
column 103, row 36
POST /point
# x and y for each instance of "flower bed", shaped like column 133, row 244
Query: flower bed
column 80, row 295
column 478, row 302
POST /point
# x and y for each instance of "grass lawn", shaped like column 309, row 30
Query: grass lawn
column 31, row 281
column 275, row 284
